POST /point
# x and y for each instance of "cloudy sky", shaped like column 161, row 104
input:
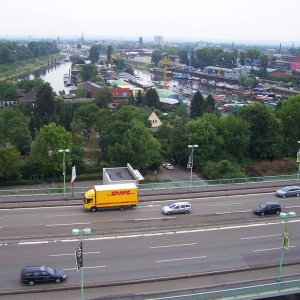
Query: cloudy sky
column 231, row 20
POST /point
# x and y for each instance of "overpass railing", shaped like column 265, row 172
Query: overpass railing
column 247, row 292
column 58, row 189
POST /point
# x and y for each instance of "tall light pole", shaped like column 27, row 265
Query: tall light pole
column 298, row 161
column 63, row 151
column 79, row 253
column 285, row 244
column 191, row 163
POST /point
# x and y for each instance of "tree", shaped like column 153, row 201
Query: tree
column 44, row 150
column 94, row 54
column 136, row 146
column 210, row 104
column 156, row 56
column 152, row 98
column 110, row 50
column 15, row 129
column 289, row 114
column 10, row 163
column 181, row 110
column 77, row 60
column 197, row 105
column 252, row 56
column 8, row 91
column 139, row 98
column 44, row 105
column 266, row 131
column 88, row 71
column 103, row 97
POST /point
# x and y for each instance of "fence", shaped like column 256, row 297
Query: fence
column 150, row 186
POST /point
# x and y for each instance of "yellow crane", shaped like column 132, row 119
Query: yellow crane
column 166, row 62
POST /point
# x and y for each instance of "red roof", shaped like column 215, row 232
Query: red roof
column 119, row 92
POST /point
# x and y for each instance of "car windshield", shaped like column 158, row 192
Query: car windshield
column 172, row 205
column 285, row 189
column 50, row 270
column 263, row 205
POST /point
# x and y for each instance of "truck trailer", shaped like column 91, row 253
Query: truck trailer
column 120, row 196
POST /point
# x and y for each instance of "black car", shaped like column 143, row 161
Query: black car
column 267, row 208
column 33, row 274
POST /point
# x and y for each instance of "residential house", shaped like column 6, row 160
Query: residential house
column 120, row 95
column 90, row 88
column 154, row 119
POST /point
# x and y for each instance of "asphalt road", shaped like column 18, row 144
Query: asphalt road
column 129, row 249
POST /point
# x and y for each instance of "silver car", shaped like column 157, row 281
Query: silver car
column 288, row 191
column 177, row 208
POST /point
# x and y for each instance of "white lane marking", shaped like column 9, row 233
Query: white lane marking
column 154, row 219
column 71, row 254
column 94, row 267
column 270, row 249
column 38, row 208
column 70, row 224
column 169, row 246
column 150, row 205
column 223, row 204
column 259, row 237
column 70, row 215
column 231, row 212
column 33, row 243
column 183, row 258
column 292, row 206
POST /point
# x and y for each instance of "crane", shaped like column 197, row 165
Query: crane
column 166, row 62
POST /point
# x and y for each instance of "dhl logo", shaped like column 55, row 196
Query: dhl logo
column 121, row 193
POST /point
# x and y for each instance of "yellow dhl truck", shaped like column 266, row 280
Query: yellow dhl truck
column 111, row 196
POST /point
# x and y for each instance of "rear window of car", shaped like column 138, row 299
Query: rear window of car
column 28, row 274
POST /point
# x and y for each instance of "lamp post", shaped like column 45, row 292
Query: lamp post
column 79, row 253
column 63, row 151
column 191, row 163
column 285, row 244
column 298, row 161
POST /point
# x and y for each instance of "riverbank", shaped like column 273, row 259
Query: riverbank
column 26, row 67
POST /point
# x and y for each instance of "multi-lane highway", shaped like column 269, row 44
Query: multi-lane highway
column 143, row 243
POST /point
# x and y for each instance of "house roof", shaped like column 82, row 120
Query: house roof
column 121, row 92
column 90, row 86
column 24, row 96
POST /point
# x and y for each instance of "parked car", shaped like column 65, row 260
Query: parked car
column 267, row 208
column 177, row 208
column 33, row 274
column 288, row 191
column 168, row 166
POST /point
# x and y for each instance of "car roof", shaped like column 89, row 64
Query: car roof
column 34, row 268
column 271, row 203
column 182, row 202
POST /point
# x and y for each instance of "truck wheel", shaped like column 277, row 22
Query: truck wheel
column 93, row 209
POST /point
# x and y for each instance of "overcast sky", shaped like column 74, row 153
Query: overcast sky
column 231, row 20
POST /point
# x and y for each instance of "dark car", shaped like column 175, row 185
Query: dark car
column 33, row 274
column 288, row 191
column 267, row 208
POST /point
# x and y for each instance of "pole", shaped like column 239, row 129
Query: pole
column 280, row 264
column 64, row 173
column 81, row 271
column 191, row 175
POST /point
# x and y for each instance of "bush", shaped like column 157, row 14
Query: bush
column 222, row 169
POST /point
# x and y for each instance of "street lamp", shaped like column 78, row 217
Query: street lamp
column 285, row 245
column 298, row 161
column 191, row 163
column 79, row 253
column 63, row 151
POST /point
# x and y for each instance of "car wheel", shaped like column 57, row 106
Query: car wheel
column 93, row 209
column 57, row 280
column 283, row 196
column 262, row 213
column 31, row 282
column 121, row 208
column 277, row 212
column 186, row 211
column 298, row 195
column 169, row 213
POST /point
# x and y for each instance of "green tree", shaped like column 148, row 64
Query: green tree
column 44, row 150
column 210, row 104
column 10, row 163
column 136, row 146
column 88, row 71
column 77, row 60
column 156, row 56
column 197, row 105
column 44, row 105
column 252, row 55
column 152, row 98
column 181, row 110
column 139, row 98
column 15, row 129
column 8, row 91
column 109, row 54
column 94, row 54
column 103, row 97
column 289, row 114
column 266, row 131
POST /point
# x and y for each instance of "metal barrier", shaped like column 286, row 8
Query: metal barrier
column 247, row 292
column 150, row 186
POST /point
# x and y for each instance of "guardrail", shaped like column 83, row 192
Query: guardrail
column 247, row 292
column 149, row 186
